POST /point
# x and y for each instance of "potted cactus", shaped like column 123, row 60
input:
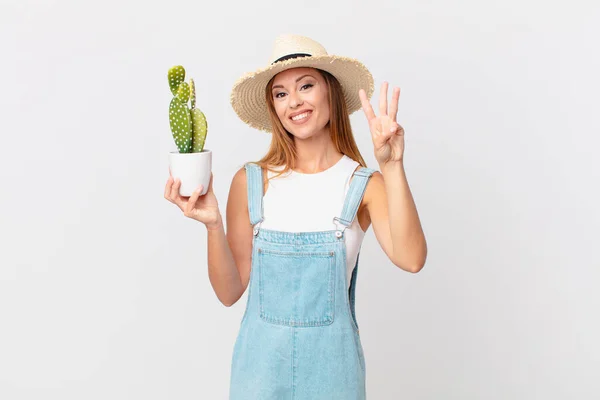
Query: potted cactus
column 192, row 164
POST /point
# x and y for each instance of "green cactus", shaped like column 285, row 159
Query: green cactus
column 176, row 77
column 188, row 125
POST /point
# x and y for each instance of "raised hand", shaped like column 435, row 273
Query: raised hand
column 387, row 134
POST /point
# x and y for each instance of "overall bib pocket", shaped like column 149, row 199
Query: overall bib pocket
column 296, row 288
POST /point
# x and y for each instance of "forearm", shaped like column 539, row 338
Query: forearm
column 222, row 271
column 408, row 240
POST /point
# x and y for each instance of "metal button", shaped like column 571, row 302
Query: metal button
column 255, row 232
column 338, row 234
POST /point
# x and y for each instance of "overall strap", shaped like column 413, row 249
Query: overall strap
column 354, row 195
column 254, row 180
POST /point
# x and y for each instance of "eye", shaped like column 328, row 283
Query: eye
column 301, row 87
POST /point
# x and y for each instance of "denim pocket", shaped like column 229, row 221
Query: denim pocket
column 296, row 288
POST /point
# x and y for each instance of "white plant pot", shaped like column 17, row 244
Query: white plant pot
column 192, row 169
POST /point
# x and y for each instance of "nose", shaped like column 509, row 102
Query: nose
column 295, row 100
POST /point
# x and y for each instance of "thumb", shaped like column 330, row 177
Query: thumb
column 210, row 183
column 191, row 203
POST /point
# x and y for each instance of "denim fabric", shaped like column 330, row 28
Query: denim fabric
column 299, row 338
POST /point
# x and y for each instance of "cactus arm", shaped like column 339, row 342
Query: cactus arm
column 199, row 130
column 176, row 76
column 183, row 93
column 181, row 125
column 199, row 123
column 193, row 93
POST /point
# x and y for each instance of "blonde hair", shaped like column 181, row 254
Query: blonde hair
column 282, row 151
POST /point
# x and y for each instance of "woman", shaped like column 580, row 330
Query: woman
column 296, row 220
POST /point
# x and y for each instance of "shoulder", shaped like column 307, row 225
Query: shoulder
column 240, row 178
column 375, row 191
column 238, row 188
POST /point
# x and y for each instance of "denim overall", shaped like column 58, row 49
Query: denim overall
column 299, row 338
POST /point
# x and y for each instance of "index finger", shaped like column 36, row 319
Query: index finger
column 366, row 106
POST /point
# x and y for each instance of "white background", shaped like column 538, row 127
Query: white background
column 104, row 292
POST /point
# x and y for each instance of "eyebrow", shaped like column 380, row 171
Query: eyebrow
column 297, row 80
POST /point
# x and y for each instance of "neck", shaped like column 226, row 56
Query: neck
column 316, row 153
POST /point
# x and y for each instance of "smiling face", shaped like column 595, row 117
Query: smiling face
column 300, row 99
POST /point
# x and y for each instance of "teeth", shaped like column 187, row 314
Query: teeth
column 301, row 116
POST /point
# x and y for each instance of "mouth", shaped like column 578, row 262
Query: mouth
column 301, row 118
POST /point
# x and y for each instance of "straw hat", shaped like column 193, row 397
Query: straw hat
column 293, row 51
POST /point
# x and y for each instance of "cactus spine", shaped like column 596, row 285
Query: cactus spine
column 188, row 124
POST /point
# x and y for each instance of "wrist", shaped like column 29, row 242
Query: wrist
column 391, row 166
column 215, row 226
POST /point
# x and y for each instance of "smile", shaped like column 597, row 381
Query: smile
column 302, row 117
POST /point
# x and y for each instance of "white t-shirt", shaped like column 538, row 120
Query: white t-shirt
column 297, row 202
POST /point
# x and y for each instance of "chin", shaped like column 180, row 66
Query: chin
column 304, row 132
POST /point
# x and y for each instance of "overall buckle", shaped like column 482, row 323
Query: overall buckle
column 339, row 233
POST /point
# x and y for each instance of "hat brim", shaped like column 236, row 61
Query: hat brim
column 248, row 93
